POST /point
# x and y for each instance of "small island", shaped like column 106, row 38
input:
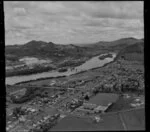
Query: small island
column 102, row 57
column 62, row 70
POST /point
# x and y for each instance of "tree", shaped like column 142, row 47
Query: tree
column 95, row 90
column 18, row 111
column 86, row 97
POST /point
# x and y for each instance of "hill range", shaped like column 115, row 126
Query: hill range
column 41, row 49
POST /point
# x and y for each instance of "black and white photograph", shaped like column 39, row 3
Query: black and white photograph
column 74, row 66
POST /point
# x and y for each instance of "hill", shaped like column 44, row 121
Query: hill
column 122, row 41
column 42, row 49
column 133, row 52
column 55, row 52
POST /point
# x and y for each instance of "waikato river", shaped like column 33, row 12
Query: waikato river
column 90, row 64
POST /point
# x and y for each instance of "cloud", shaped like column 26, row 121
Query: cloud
column 122, row 10
column 72, row 22
column 20, row 11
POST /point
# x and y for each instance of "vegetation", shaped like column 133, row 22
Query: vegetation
column 49, row 50
column 30, row 94
column 36, row 69
column 105, row 56
column 17, row 112
column 63, row 70
column 71, row 63
column 86, row 97
column 133, row 52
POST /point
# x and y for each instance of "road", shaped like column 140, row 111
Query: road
column 49, row 87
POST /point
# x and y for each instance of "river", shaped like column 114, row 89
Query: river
column 90, row 64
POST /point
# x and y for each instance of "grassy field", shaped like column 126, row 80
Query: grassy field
column 122, row 104
column 72, row 123
column 124, row 120
column 134, row 120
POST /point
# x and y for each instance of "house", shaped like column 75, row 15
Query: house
column 100, row 109
column 89, row 106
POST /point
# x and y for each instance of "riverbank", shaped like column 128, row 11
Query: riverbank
column 29, row 71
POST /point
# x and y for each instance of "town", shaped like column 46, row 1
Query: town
column 36, row 106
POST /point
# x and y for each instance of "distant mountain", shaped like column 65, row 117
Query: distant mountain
column 53, row 51
column 123, row 41
column 42, row 49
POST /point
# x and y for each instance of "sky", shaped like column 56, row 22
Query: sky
column 72, row 22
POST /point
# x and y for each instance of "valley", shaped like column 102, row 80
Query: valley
column 97, row 96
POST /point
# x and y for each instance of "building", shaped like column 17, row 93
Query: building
column 100, row 109
column 88, row 108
